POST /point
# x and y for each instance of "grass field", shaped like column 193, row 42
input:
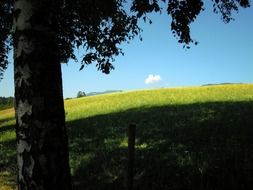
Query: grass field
column 187, row 138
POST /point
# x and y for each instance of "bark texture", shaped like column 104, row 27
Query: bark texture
column 42, row 146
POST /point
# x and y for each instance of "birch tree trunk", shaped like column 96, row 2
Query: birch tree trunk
column 42, row 146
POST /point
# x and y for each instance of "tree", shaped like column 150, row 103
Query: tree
column 43, row 34
column 6, row 102
column 80, row 94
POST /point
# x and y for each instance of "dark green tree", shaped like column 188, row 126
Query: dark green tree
column 80, row 94
column 43, row 34
column 6, row 102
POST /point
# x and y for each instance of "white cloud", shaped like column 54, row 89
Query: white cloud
column 152, row 79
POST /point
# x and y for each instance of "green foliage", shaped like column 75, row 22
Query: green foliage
column 5, row 28
column 80, row 94
column 187, row 138
column 6, row 102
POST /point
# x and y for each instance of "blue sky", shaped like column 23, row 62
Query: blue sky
column 224, row 54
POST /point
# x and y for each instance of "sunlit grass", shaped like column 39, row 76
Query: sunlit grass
column 7, row 136
column 6, row 181
column 117, row 102
column 7, row 117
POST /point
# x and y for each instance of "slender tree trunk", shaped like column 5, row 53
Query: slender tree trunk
column 42, row 146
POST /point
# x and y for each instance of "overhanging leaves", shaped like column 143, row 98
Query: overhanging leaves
column 5, row 32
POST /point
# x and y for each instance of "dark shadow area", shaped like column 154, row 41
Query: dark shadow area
column 7, row 151
column 199, row 146
column 6, row 128
column 8, row 158
column 204, row 146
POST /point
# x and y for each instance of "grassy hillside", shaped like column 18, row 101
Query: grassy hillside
column 187, row 138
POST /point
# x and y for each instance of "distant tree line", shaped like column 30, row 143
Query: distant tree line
column 104, row 92
column 83, row 94
column 6, row 102
column 224, row 83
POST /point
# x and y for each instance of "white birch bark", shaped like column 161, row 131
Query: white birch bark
column 42, row 153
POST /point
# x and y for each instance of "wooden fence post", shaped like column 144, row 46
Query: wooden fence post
column 131, row 150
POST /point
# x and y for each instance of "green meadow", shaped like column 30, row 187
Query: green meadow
column 196, row 138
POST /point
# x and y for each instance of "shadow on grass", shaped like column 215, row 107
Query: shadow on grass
column 203, row 146
column 6, row 128
column 7, row 160
column 197, row 146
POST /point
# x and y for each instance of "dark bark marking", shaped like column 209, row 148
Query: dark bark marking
column 16, row 14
